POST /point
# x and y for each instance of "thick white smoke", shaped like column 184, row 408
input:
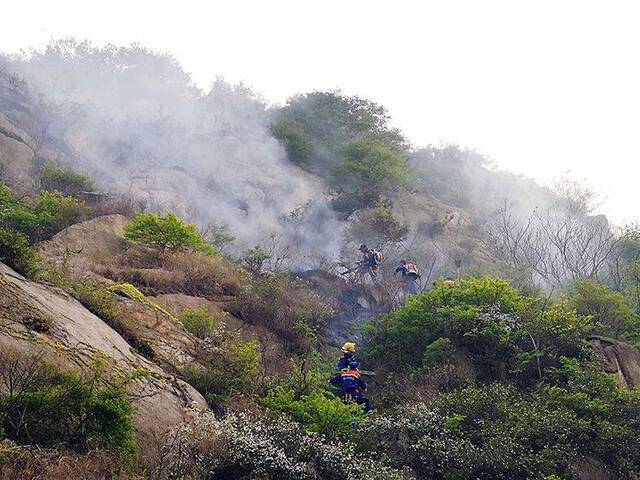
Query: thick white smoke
column 134, row 120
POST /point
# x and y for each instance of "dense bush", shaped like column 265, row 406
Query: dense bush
column 167, row 233
column 16, row 252
column 319, row 411
column 42, row 217
column 45, row 406
column 201, row 322
column 331, row 119
column 245, row 447
column 611, row 310
column 503, row 332
column 54, row 178
column 369, row 171
column 235, row 367
column 287, row 307
column 499, row 432
column 294, row 139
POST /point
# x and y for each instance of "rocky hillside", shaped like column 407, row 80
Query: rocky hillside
column 177, row 278
column 45, row 321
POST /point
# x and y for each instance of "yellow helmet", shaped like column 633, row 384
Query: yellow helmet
column 349, row 347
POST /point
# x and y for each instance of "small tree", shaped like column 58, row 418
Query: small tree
column 370, row 170
column 294, row 139
column 166, row 232
column 54, row 178
column 255, row 258
column 610, row 309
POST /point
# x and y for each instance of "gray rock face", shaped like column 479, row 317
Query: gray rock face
column 36, row 318
column 618, row 358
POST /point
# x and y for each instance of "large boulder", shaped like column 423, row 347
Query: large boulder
column 618, row 358
column 85, row 244
column 38, row 319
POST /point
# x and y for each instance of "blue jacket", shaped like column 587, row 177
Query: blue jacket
column 349, row 382
column 345, row 359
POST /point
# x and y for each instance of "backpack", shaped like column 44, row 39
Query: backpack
column 379, row 256
column 412, row 270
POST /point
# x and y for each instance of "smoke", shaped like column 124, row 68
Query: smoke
column 134, row 120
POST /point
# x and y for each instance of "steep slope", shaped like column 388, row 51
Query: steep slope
column 37, row 319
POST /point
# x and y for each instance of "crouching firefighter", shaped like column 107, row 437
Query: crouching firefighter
column 351, row 385
column 348, row 351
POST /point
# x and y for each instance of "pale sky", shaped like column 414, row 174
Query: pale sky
column 545, row 88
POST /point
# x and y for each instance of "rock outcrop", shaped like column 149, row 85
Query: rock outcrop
column 618, row 358
column 38, row 319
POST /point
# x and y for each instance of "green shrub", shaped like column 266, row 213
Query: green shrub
column 320, row 412
column 294, row 139
column 236, row 371
column 370, row 170
column 167, row 233
column 498, row 432
column 610, row 309
column 477, row 315
column 200, row 322
column 54, row 178
column 59, row 211
column 47, row 407
column 502, row 332
column 16, row 252
column 44, row 217
column 438, row 352
column 331, row 119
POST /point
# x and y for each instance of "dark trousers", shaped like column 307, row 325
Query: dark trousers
column 359, row 398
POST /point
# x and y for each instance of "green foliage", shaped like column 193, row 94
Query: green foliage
column 16, row 252
column 48, row 407
column 294, row 139
column 613, row 312
column 331, row 119
column 319, row 411
column 254, row 258
column 502, row 332
column 369, row 170
column 475, row 314
column 498, row 431
column 236, row 371
column 287, row 307
column 44, row 217
column 200, row 322
column 59, row 211
column 438, row 352
column 54, row 178
column 166, row 232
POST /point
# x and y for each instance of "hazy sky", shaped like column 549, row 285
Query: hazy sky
column 545, row 88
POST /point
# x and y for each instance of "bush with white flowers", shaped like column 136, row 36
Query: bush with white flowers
column 245, row 446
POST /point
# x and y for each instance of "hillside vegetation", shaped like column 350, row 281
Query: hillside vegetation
column 176, row 276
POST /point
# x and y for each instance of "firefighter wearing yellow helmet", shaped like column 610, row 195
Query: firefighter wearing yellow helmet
column 348, row 352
